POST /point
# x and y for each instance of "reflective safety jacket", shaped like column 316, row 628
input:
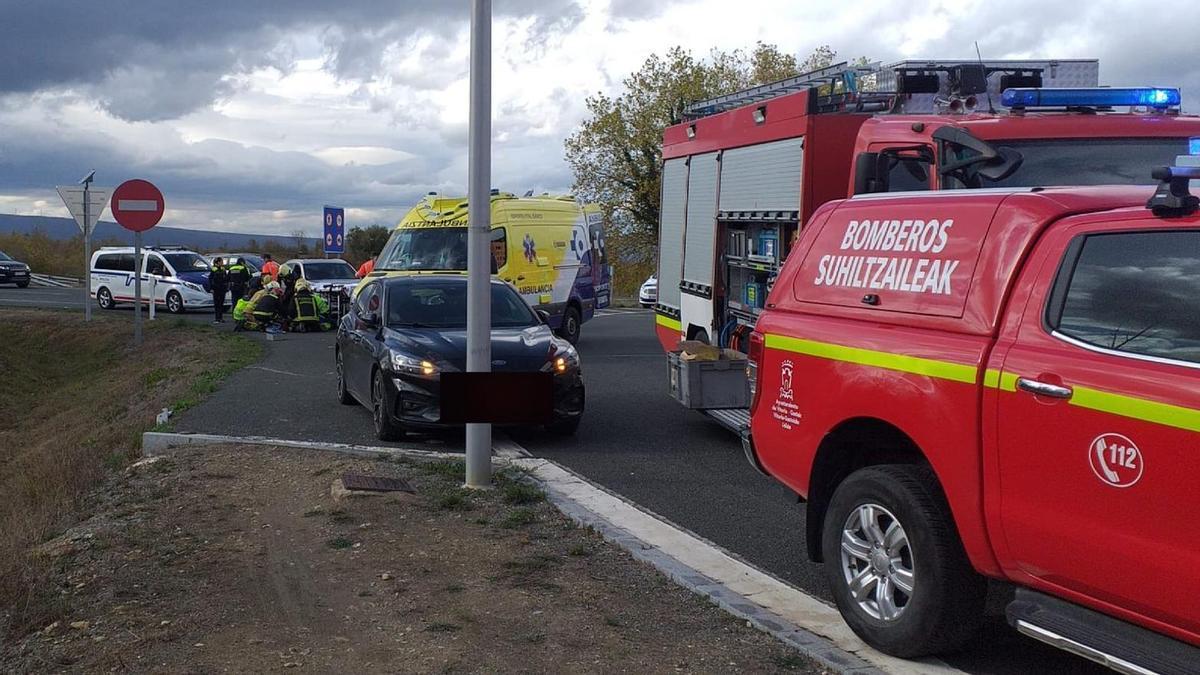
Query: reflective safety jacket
column 304, row 307
column 239, row 309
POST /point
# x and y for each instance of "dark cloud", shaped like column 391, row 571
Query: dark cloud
column 159, row 59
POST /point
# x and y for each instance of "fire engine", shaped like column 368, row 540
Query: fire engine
column 744, row 171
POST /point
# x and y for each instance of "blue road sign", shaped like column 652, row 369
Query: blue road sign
column 335, row 230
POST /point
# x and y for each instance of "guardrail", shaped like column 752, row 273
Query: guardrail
column 53, row 281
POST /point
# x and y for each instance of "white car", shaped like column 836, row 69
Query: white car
column 179, row 276
column 648, row 294
column 327, row 273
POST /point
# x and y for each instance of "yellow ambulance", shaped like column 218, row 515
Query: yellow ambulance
column 551, row 248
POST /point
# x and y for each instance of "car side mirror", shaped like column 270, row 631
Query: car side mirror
column 370, row 319
column 543, row 315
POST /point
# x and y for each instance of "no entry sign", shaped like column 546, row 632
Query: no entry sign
column 137, row 205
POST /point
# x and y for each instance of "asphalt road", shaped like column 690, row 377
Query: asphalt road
column 634, row 440
column 72, row 299
column 37, row 296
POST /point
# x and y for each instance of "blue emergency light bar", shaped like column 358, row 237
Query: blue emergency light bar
column 1097, row 97
column 1194, row 145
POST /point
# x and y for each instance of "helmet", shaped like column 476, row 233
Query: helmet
column 284, row 270
column 273, row 286
column 303, row 285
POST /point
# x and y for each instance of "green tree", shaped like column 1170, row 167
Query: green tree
column 366, row 242
column 616, row 154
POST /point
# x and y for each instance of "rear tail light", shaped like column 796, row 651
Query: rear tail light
column 755, row 357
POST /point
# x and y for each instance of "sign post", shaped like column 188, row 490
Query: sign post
column 85, row 204
column 335, row 230
column 138, row 206
column 479, row 215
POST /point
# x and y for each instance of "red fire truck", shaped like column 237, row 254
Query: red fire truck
column 744, row 171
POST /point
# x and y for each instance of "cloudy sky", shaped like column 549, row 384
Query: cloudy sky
column 252, row 116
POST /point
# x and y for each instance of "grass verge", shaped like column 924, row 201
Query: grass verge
column 78, row 398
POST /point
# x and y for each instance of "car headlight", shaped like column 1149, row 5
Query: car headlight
column 562, row 358
column 195, row 287
column 403, row 363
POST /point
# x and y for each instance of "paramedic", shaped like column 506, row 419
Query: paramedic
column 270, row 268
column 366, row 268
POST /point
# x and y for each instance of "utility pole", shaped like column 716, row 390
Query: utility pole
column 479, row 207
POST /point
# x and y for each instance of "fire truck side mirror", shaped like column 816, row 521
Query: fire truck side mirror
column 870, row 173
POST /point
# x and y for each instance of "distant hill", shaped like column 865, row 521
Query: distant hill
column 199, row 240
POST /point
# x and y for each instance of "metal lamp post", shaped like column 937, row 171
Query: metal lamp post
column 479, row 207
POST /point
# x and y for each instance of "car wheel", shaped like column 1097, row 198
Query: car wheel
column 104, row 298
column 385, row 428
column 570, row 326
column 898, row 571
column 566, row 426
column 344, row 396
column 22, row 284
column 174, row 302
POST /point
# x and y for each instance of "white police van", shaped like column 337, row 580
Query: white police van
column 177, row 278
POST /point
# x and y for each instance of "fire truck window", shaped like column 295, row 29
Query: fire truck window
column 1137, row 292
column 1081, row 161
column 908, row 173
column 500, row 247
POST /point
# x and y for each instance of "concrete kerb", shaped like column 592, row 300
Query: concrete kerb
column 821, row 650
column 162, row 443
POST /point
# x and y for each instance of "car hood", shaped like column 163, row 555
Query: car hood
column 198, row 278
column 513, row 349
column 11, row 265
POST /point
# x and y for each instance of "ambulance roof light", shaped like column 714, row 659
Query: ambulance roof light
column 1090, row 97
column 1194, row 145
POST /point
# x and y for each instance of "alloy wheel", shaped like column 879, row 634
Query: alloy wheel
column 877, row 562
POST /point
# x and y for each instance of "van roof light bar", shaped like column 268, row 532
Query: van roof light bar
column 1159, row 98
column 1172, row 198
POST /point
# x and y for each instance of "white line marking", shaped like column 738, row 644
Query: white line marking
column 710, row 560
column 137, row 204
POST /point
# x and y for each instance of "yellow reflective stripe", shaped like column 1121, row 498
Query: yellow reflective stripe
column 945, row 370
column 668, row 322
column 991, row 378
column 1137, row 408
column 997, row 379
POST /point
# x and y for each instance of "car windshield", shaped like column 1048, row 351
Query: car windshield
column 4, row 256
column 1086, row 161
column 187, row 262
column 326, row 271
column 429, row 248
column 444, row 305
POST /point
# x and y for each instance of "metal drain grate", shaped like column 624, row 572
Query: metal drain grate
column 358, row 481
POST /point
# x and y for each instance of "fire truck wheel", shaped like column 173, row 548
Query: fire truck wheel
column 893, row 558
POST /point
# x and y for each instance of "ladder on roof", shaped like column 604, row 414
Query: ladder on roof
column 844, row 72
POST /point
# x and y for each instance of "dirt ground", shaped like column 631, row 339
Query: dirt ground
column 237, row 559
